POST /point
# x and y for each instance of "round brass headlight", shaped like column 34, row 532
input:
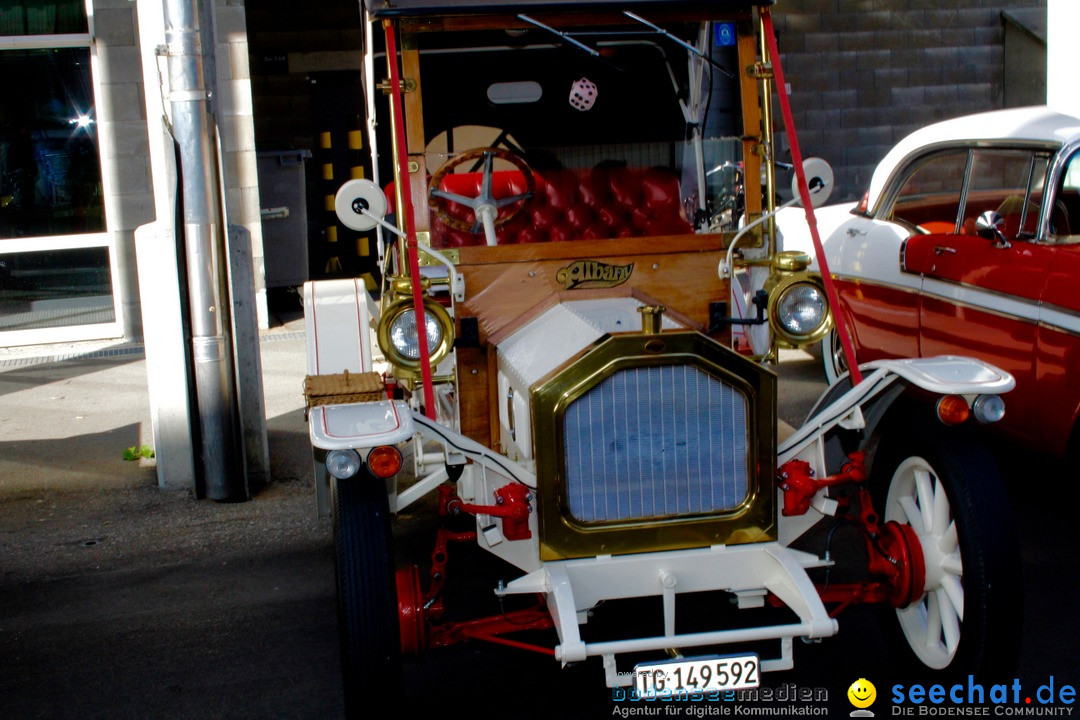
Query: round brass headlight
column 399, row 339
column 799, row 310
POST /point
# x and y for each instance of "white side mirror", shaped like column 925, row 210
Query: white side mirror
column 360, row 205
column 819, row 180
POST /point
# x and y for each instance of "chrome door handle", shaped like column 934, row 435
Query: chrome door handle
column 941, row 250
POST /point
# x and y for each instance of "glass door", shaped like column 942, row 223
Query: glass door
column 57, row 261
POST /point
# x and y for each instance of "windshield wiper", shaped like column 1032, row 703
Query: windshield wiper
column 564, row 36
column 680, row 41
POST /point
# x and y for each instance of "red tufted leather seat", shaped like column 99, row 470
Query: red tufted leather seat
column 599, row 204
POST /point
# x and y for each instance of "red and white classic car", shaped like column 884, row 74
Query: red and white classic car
column 920, row 275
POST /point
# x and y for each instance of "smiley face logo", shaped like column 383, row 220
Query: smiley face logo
column 862, row 693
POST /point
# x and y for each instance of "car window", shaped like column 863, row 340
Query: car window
column 929, row 198
column 1009, row 182
column 1065, row 214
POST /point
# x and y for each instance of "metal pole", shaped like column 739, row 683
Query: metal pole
column 188, row 59
column 804, row 194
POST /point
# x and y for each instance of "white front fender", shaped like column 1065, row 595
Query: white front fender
column 944, row 375
column 949, row 374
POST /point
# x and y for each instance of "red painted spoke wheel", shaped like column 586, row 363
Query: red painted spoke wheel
column 411, row 616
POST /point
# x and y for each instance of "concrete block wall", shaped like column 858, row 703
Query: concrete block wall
column 128, row 185
column 128, row 191
column 865, row 73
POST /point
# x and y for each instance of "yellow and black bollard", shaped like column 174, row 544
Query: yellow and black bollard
column 333, row 258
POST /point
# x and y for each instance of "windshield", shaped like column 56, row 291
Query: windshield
column 608, row 131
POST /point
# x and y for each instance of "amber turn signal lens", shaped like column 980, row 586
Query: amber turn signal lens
column 953, row 410
column 384, row 461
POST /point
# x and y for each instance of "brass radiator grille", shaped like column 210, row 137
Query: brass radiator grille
column 656, row 442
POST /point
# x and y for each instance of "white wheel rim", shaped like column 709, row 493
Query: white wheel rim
column 833, row 352
column 931, row 624
column 837, row 349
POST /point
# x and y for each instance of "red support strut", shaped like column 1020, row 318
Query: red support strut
column 409, row 223
column 804, row 194
column 796, row 479
column 512, row 504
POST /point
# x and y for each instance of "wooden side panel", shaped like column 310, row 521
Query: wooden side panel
column 473, row 393
column 419, row 188
column 413, row 101
column 414, row 135
column 751, row 107
column 478, row 372
column 685, row 282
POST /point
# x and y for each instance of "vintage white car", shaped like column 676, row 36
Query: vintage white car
column 919, row 275
column 560, row 236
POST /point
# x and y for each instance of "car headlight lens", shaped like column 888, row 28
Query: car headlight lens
column 342, row 464
column 802, row 309
column 398, row 337
column 404, row 336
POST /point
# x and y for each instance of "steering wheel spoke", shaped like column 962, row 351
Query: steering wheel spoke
column 454, row 197
column 503, row 202
column 489, row 172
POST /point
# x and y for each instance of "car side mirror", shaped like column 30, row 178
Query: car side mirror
column 819, row 181
column 989, row 225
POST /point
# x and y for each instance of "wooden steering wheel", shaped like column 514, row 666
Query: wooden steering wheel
column 485, row 206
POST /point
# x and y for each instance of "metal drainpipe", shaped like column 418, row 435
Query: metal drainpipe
column 206, row 253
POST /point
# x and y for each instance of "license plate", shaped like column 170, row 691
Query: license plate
column 676, row 678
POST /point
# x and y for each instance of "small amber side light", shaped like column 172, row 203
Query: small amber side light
column 953, row 410
column 384, row 461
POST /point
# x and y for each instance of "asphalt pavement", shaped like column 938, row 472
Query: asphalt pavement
column 121, row 600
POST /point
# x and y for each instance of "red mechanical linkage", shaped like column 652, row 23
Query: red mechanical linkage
column 416, row 608
column 846, row 594
column 420, row 613
column 419, row 617
column 896, row 558
column 894, row 555
column 512, row 504
column 796, row 479
column 491, row 629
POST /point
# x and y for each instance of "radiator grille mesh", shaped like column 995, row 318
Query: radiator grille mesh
column 656, row 442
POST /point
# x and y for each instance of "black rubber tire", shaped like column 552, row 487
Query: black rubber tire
column 366, row 592
column 959, row 464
